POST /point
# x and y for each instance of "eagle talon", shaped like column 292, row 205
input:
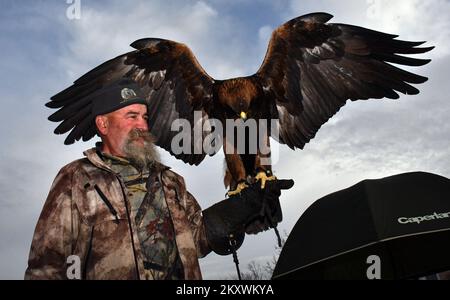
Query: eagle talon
column 240, row 187
column 263, row 177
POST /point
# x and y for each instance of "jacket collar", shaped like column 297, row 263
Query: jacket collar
column 94, row 157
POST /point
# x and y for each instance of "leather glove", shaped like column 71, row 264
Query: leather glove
column 232, row 216
column 271, row 213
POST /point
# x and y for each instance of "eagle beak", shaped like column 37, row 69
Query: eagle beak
column 243, row 116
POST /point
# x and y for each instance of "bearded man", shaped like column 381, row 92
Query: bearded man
column 119, row 213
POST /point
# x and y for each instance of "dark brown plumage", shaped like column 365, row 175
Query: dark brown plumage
column 309, row 72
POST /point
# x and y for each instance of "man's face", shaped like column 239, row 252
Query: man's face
column 117, row 127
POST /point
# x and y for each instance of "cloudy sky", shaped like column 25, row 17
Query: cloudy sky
column 45, row 50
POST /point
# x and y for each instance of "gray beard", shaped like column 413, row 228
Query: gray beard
column 142, row 156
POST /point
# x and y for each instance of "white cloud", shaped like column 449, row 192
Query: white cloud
column 416, row 19
column 264, row 34
column 196, row 24
column 411, row 19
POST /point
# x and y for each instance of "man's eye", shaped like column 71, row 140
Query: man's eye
column 145, row 118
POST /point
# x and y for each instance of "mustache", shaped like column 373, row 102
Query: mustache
column 135, row 134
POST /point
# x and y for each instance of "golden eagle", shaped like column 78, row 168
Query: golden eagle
column 310, row 70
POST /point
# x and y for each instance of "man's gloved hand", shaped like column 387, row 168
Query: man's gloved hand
column 252, row 211
column 271, row 213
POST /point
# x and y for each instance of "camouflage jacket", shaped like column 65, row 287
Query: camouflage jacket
column 75, row 221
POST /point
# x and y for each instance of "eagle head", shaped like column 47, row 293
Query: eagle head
column 237, row 95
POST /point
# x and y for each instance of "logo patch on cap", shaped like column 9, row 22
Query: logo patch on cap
column 128, row 94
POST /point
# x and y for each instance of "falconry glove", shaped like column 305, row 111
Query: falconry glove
column 251, row 211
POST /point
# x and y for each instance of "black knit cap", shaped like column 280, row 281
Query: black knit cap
column 116, row 96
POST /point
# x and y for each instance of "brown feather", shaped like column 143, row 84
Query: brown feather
column 312, row 68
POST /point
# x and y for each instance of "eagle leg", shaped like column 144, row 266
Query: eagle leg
column 240, row 187
column 264, row 176
column 234, row 167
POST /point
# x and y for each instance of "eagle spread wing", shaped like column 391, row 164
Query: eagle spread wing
column 312, row 68
column 170, row 76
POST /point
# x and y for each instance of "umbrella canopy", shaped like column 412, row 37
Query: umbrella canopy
column 391, row 228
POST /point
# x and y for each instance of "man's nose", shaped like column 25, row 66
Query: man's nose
column 142, row 124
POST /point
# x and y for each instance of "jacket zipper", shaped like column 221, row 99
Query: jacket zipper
column 88, row 254
column 173, row 228
column 131, row 228
column 108, row 204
